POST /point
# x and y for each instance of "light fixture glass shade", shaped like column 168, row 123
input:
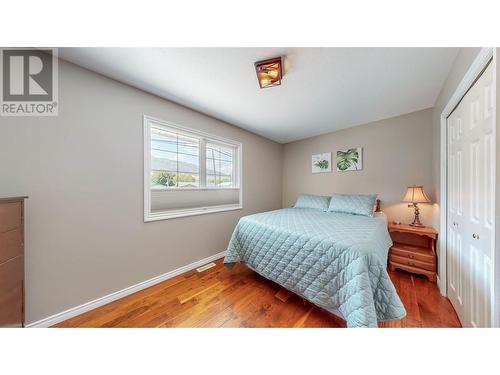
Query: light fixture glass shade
column 269, row 72
column 416, row 194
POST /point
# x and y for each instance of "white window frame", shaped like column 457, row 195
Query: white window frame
column 203, row 137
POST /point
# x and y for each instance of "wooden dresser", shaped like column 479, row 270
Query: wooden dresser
column 413, row 250
column 12, row 262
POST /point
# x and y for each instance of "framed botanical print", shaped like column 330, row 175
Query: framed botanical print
column 321, row 163
column 350, row 159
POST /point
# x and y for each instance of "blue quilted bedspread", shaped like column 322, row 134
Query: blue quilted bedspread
column 336, row 261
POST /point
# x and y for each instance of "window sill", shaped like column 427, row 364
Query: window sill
column 165, row 215
column 196, row 189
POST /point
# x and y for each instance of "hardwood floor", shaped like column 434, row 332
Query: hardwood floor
column 240, row 297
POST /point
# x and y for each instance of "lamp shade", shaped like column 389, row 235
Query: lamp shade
column 416, row 194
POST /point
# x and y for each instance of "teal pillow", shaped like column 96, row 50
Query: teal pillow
column 355, row 204
column 312, row 201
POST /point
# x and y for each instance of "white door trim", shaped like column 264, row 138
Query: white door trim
column 480, row 62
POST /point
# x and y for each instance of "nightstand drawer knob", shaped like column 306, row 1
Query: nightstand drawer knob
column 411, row 256
column 475, row 236
column 411, row 263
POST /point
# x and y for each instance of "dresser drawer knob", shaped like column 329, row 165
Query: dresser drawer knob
column 411, row 263
column 411, row 256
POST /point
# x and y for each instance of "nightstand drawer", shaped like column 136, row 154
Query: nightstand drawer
column 413, row 262
column 413, row 252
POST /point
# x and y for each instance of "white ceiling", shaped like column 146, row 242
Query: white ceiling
column 323, row 90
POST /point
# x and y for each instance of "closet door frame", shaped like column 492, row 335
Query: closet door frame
column 478, row 65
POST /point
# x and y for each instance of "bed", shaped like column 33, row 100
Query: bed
column 336, row 261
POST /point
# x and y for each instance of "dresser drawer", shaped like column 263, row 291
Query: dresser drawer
column 11, row 292
column 11, row 216
column 11, row 307
column 412, row 262
column 11, row 244
column 11, row 274
column 413, row 252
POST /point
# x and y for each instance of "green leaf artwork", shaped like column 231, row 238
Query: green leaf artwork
column 321, row 163
column 349, row 160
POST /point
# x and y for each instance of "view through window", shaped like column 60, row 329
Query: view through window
column 188, row 172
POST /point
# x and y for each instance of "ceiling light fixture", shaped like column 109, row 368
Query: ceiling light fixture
column 269, row 72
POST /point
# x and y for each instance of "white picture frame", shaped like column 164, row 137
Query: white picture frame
column 350, row 159
column 321, row 163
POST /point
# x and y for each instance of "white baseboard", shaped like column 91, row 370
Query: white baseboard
column 77, row 310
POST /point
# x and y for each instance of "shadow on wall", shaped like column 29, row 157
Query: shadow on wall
column 435, row 215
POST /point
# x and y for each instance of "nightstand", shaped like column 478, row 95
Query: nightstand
column 413, row 249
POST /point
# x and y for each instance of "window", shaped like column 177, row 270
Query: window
column 188, row 172
column 220, row 165
column 175, row 160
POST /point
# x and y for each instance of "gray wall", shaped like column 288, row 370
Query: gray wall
column 397, row 152
column 85, row 235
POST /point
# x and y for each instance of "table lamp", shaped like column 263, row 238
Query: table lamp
column 414, row 195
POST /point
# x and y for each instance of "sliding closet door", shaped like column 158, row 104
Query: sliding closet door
column 456, row 211
column 471, row 153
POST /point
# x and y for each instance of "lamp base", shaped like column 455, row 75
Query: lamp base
column 416, row 220
column 417, row 225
